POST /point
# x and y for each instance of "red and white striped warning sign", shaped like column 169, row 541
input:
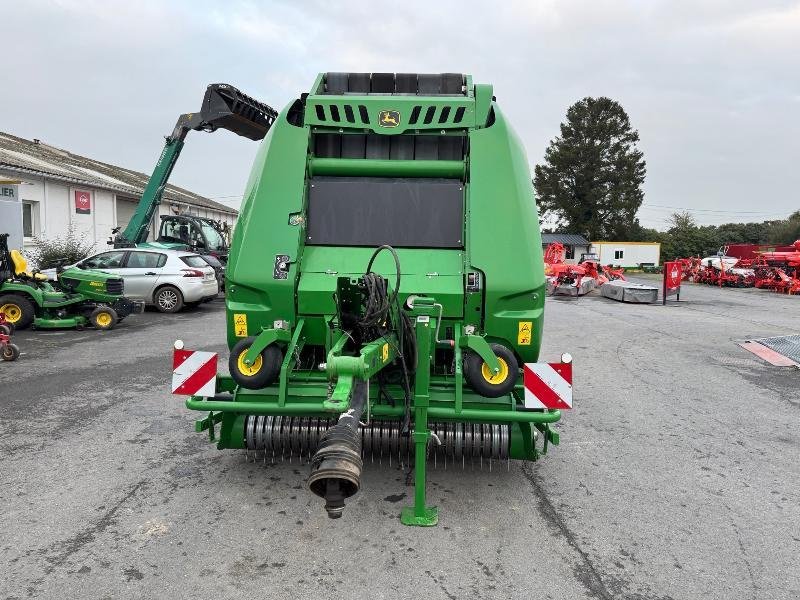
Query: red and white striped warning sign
column 548, row 385
column 194, row 373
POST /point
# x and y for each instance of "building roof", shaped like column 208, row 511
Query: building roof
column 568, row 239
column 33, row 157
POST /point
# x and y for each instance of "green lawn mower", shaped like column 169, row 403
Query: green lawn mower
column 78, row 298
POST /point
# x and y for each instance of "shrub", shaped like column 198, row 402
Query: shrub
column 67, row 249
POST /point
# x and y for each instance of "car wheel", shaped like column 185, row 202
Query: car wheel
column 169, row 299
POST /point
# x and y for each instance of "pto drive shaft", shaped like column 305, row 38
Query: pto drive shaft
column 336, row 466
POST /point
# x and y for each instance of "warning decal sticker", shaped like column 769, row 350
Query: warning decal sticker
column 525, row 333
column 240, row 324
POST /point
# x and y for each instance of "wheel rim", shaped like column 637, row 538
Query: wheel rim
column 498, row 377
column 167, row 299
column 103, row 319
column 8, row 351
column 249, row 370
column 12, row 312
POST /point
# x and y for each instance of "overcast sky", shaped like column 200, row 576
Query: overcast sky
column 712, row 86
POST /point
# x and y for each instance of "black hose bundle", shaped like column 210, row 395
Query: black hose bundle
column 376, row 322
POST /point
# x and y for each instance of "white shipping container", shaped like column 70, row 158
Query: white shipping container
column 627, row 254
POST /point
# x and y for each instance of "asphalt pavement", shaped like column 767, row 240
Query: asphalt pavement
column 678, row 475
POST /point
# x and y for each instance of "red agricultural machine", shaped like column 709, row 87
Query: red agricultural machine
column 777, row 270
column 575, row 280
column 690, row 267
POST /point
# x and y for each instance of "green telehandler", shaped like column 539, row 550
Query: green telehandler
column 223, row 107
column 78, row 298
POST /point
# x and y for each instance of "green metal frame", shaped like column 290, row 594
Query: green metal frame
column 264, row 339
column 480, row 346
column 433, row 398
column 65, row 323
column 346, row 369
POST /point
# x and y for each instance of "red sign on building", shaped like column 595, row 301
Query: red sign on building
column 83, row 202
column 673, row 275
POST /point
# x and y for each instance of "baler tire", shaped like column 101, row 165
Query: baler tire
column 6, row 328
column 267, row 365
column 10, row 352
column 476, row 372
column 23, row 309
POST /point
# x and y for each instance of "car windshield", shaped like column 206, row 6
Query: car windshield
column 106, row 260
column 215, row 241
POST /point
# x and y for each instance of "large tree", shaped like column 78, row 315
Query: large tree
column 591, row 182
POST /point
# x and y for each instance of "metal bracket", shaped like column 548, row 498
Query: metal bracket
column 346, row 369
column 473, row 282
column 480, row 346
column 264, row 339
column 292, row 350
column 280, row 270
column 208, row 424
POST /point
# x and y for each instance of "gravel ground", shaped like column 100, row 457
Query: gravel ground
column 678, row 475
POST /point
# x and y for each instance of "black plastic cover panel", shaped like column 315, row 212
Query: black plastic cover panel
column 389, row 147
column 418, row 84
column 370, row 211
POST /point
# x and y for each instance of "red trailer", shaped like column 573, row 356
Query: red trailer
column 750, row 251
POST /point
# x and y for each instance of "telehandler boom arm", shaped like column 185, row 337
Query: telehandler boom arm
column 224, row 107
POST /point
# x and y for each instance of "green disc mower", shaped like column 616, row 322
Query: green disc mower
column 78, row 298
column 385, row 289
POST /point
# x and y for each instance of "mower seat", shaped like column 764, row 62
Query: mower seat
column 21, row 268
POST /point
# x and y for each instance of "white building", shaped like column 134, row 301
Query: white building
column 44, row 188
column 627, row 254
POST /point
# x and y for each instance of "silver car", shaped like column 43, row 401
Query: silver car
column 167, row 279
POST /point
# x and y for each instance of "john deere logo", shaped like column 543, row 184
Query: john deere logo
column 389, row 118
